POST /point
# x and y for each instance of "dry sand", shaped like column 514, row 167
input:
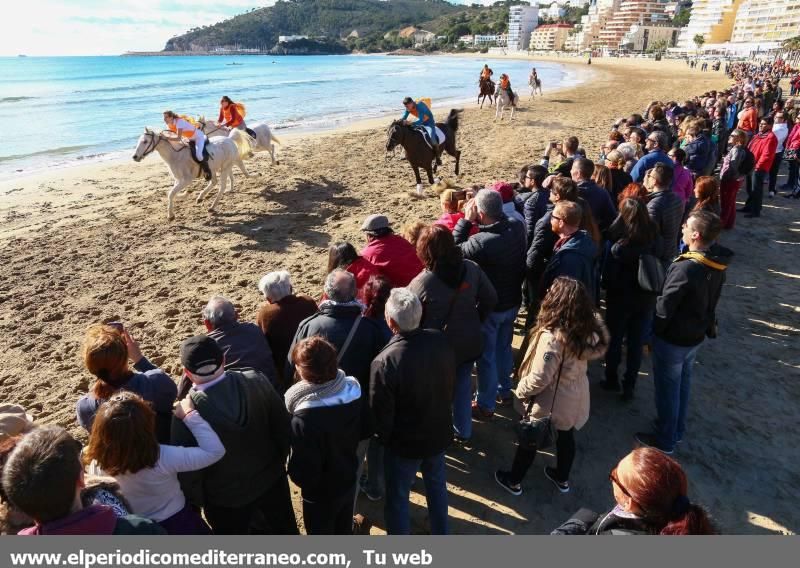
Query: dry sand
column 90, row 244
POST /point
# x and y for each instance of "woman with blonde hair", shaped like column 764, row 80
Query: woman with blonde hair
column 106, row 352
column 615, row 162
column 553, row 380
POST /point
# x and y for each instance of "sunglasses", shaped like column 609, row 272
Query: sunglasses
column 612, row 476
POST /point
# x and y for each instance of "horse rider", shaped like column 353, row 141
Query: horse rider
column 183, row 128
column 534, row 78
column 229, row 115
column 505, row 85
column 424, row 118
column 486, row 73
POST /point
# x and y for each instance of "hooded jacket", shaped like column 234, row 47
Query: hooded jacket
column 763, row 147
column 574, row 258
column 395, row 257
column 547, row 354
column 252, row 422
column 326, row 430
column 245, row 347
column 686, row 308
column 95, row 520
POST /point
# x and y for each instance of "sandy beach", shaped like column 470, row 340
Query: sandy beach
column 92, row 244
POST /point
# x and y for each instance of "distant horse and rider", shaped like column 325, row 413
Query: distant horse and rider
column 424, row 140
column 505, row 98
column 535, row 83
column 486, row 86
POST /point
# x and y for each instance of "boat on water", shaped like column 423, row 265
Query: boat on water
column 234, row 64
column 22, row 55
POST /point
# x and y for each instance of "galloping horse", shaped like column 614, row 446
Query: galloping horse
column 535, row 85
column 418, row 153
column 503, row 100
column 487, row 90
column 265, row 139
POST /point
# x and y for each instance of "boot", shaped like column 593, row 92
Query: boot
column 206, row 170
column 437, row 153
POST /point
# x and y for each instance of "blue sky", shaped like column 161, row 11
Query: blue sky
column 110, row 27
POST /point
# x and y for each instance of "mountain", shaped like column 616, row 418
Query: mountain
column 316, row 18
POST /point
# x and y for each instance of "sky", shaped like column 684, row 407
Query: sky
column 110, row 27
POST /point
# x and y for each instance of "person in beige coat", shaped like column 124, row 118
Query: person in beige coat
column 568, row 334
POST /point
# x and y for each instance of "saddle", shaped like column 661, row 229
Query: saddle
column 251, row 133
column 206, row 155
column 426, row 136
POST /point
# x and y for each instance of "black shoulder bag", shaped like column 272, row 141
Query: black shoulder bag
column 539, row 433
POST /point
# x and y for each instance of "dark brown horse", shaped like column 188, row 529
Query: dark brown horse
column 418, row 153
column 487, row 90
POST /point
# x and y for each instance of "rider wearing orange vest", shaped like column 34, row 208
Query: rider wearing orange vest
column 229, row 114
column 505, row 84
column 184, row 128
column 486, row 73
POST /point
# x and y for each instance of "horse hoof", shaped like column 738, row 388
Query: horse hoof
column 170, row 217
column 211, row 210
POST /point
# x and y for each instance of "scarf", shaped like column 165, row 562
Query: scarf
column 333, row 304
column 304, row 391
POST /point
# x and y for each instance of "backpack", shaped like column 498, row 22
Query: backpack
column 241, row 108
column 748, row 163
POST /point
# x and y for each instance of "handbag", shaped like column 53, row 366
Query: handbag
column 652, row 273
column 539, row 433
column 791, row 155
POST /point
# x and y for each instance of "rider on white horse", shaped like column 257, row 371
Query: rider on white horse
column 231, row 114
column 181, row 126
column 505, row 85
column 424, row 118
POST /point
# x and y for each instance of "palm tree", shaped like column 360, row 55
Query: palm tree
column 792, row 44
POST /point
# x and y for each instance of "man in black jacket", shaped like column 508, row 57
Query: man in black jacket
column 603, row 209
column 574, row 251
column 251, row 420
column 411, row 391
column 685, row 315
column 499, row 249
column 665, row 208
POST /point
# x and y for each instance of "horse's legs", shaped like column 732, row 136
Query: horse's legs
column 230, row 176
column 458, row 160
column 208, row 186
column 430, row 174
column 272, row 153
column 223, row 180
column 240, row 164
column 179, row 185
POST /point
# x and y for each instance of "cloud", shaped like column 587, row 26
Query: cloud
column 94, row 27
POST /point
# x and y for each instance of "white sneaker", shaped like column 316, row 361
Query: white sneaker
column 771, row 194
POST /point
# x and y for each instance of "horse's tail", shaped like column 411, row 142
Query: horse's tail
column 243, row 141
column 452, row 119
column 275, row 139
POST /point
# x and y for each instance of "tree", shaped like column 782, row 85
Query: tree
column 658, row 46
column 681, row 19
column 699, row 40
column 792, row 44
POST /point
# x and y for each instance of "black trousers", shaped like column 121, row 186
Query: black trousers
column 565, row 455
column 272, row 512
column 330, row 517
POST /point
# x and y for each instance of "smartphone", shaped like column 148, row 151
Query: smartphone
column 117, row 325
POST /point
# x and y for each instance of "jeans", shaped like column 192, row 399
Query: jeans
column 624, row 321
column 329, row 517
column 794, row 168
column 497, row 359
column 773, row 171
column 400, row 475
column 672, row 373
column 361, row 455
column 756, row 194
column 565, row 455
column 273, row 509
column 462, row 400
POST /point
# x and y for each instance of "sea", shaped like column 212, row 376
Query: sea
column 63, row 111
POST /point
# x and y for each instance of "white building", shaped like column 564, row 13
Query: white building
column 766, row 21
column 600, row 12
column 467, row 39
column 497, row 39
column 522, row 20
column 290, row 38
column 712, row 19
column 554, row 12
column 642, row 36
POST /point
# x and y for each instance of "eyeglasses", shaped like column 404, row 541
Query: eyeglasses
column 529, row 177
column 612, row 476
column 556, row 218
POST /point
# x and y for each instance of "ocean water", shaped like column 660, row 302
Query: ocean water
column 60, row 111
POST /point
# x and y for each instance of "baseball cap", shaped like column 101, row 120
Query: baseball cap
column 14, row 421
column 375, row 223
column 201, row 356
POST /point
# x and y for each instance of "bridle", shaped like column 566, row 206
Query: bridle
column 217, row 127
column 155, row 140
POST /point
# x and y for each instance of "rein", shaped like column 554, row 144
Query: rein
column 155, row 139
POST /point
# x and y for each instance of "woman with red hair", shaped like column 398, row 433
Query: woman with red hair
column 651, row 494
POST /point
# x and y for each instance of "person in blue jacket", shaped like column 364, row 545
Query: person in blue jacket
column 424, row 118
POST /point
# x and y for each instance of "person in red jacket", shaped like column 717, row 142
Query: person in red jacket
column 763, row 146
column 791, row 153
column 748, row 118
column 230, row 115
column 343, row 255
column 394, row 256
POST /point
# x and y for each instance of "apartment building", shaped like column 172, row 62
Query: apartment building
column 712, row 19
column 630, row 13
column 550, row 37
column 522, row 20
column 766, row 21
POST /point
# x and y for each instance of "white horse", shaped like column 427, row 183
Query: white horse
column 223, row 152
column 503, row 101
column 535, row 85
column 265, row 139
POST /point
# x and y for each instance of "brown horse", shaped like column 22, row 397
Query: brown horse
column 418, row 153
column 487, row 90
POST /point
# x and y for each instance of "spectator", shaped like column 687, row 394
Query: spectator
column 506, row 191
column 536, row 204
column 357, row 340
column 665, row 209
column 251, row 420
column 731, row 177
column 685, row 315
column 411, row 388
column 792, row 152
column 553, row 380
column 43, row 478
column 651, row 494
column 619, row 177
column 763, row 146
column 781, row 132
column 456, row 297
column 656, row 144
column 106, row 351
column 243, row 343
column 14, row 423
column 628, row 306
column 280, row 316
column 559, row 157
column 682, row 181
column 748, row 117
column 394, row 256
column 574, row 252
column 633, row 191
column 452, row 202
column 599, row 200
column 343, row 255
column 698, row 149
column 376, row 292
column 325, row 405
column 124, row 445
column 602, row 177
column 411, row 231
column 499, row 249
column 706, row 194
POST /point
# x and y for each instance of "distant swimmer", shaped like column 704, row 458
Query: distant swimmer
column 424, row 118
column 505, row 85
column 184, row 127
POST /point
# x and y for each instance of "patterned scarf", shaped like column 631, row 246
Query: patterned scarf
column 304, row 391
